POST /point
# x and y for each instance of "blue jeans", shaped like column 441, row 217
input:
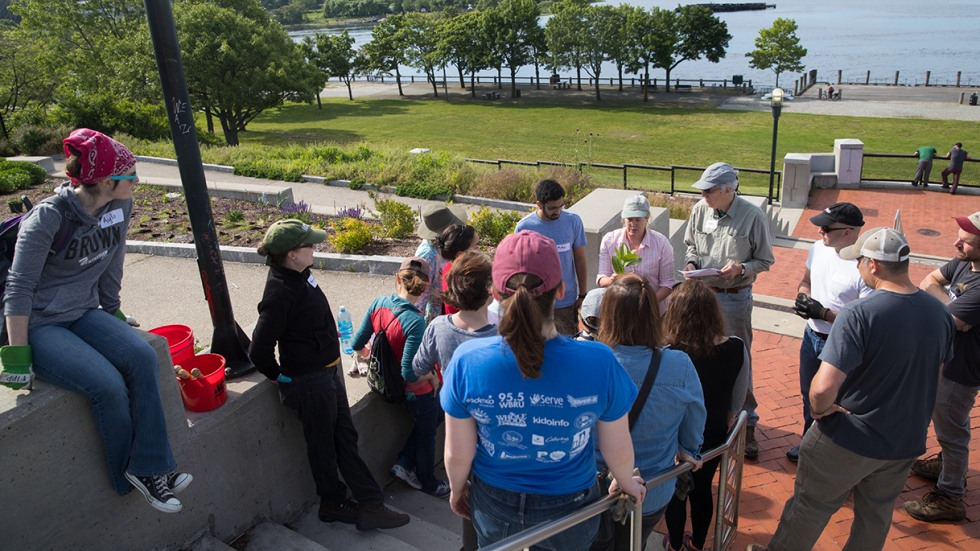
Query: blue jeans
column 951, row 419
column 826, row 476
column 810, row 349
column 499, row 513
column 102, row 358
column 419, row 452
column 737, row 310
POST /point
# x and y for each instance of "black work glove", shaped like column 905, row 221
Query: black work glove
column 807, row 308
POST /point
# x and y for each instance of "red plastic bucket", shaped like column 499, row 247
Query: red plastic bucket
column 181, row 341
column 208, row 391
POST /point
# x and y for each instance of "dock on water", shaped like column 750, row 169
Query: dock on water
column 737, row 6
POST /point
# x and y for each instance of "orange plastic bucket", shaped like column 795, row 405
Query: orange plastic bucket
column 181, row 341
column 207, row 392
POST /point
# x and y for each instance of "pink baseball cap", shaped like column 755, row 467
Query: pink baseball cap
column 101, row 156
column 969, row 224
column 527, row 252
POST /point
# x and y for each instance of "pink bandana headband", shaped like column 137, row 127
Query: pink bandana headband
column 101, row 156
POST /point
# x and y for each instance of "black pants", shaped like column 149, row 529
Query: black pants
column 320, row 401
column 702, row 508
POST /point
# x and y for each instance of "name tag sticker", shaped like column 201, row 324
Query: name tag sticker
column 312, row 281
column 564, row 247
column 111, row 218
column 710, row 225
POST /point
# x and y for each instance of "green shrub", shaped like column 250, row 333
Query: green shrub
column 350, row 235
column 36, row 173
column 113, row 115
column 679, row 207
column 261, row 168
column 493, row 225
column 517, row 184
column 40, row 140
column 397, row 219
column 13, row 179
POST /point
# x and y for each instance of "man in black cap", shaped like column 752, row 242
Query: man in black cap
column 827, row 285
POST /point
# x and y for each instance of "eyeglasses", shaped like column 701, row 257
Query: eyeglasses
column 826, row 229
column 305, row 246
column 124, row 177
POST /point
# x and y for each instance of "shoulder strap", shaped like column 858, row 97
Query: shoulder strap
column 394, row 317
column 67, row 227
column 641, row 398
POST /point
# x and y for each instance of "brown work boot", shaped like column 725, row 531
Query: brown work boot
column 936, row 506
column 929, row 467
column 377, row 516
column 751, row 446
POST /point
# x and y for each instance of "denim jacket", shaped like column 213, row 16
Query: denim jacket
column 673, row 417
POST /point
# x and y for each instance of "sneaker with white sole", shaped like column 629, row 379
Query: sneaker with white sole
column 157, row 491
column 440, row 490
column 406, row 476
column 179, row 482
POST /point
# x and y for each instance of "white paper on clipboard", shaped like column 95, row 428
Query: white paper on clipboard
column 705, row 272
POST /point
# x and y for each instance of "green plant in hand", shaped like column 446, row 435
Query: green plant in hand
column 624, row 258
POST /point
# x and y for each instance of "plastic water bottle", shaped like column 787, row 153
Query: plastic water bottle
column 346, row 329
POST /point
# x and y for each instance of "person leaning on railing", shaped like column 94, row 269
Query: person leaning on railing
column 520, row 409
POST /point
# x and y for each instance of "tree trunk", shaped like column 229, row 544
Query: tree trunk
column 513, row 82
column 229, row 128
column 598, row 96
column 667, row 83
column 473, row 84
column 619, row 67
column 350, row 93
column 318, row 104
column 500, row 79
column 578, row 73
column 646, row 82
column 537, row 75
column 462, row 82
column 210, row 119
column 3, row 127
column 398, row 79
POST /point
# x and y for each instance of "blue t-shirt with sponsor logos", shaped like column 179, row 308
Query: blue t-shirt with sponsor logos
column 568, row 233
column 535, row 435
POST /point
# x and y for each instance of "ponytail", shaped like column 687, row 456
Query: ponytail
column 521, row 321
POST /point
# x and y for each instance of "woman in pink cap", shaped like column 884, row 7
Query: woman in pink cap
column 521, row 410
column 62, row 315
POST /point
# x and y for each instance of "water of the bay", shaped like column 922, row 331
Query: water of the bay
column 853, row 36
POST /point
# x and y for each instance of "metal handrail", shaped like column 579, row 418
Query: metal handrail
column 726, row 514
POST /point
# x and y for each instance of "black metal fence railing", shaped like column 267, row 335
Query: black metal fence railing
column 665, row 179
column 895, row 167
column 586, row 81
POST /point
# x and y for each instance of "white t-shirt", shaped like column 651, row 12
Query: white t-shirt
column 833, row 281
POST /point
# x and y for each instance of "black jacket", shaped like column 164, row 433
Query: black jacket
column 295, row 314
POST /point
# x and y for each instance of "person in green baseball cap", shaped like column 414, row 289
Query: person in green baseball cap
column 295, row 317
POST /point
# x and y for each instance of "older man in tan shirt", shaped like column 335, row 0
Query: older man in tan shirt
column 731, row 235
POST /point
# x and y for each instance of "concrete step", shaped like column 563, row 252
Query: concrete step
column 416, row 535
column 269, row 536
column 208, row 542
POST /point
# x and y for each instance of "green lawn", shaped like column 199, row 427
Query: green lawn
column 613, row 133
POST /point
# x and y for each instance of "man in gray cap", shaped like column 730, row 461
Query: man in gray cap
column 828, row 283
column 731, row 235
column 957, row 284
column 871, row 398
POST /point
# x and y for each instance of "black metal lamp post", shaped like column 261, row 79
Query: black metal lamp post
column 777, row 107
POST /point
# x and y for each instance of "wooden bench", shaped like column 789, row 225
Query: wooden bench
column 683, row 87
column 491, row 95
column 561, row 85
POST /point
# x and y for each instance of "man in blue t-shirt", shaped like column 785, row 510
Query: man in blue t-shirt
column 957, row 284
column 566, row 230
column 871, row 399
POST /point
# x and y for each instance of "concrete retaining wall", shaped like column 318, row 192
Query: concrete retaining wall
column 248, row 459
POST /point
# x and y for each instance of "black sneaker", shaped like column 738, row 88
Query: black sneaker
column 179, row 482
column 373, row 517
column 157, row 491
column 793, row 454
column 345, row 511
column 751, row 445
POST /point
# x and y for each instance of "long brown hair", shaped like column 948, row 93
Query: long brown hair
column 522, row 319
column 630, row 313
column 414, row 282
column 694, row 320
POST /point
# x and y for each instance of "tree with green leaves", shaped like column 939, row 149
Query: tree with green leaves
column 778, row 48
column 620, row 45
column 461, row 45
column 494, row 35
column 690, row 32
column 21, row 83
column 333, row 56
column 520, row 19
column 386, row 50
column 598, row 43
column 422, row 45
column 567, row 33
column 238, row 62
